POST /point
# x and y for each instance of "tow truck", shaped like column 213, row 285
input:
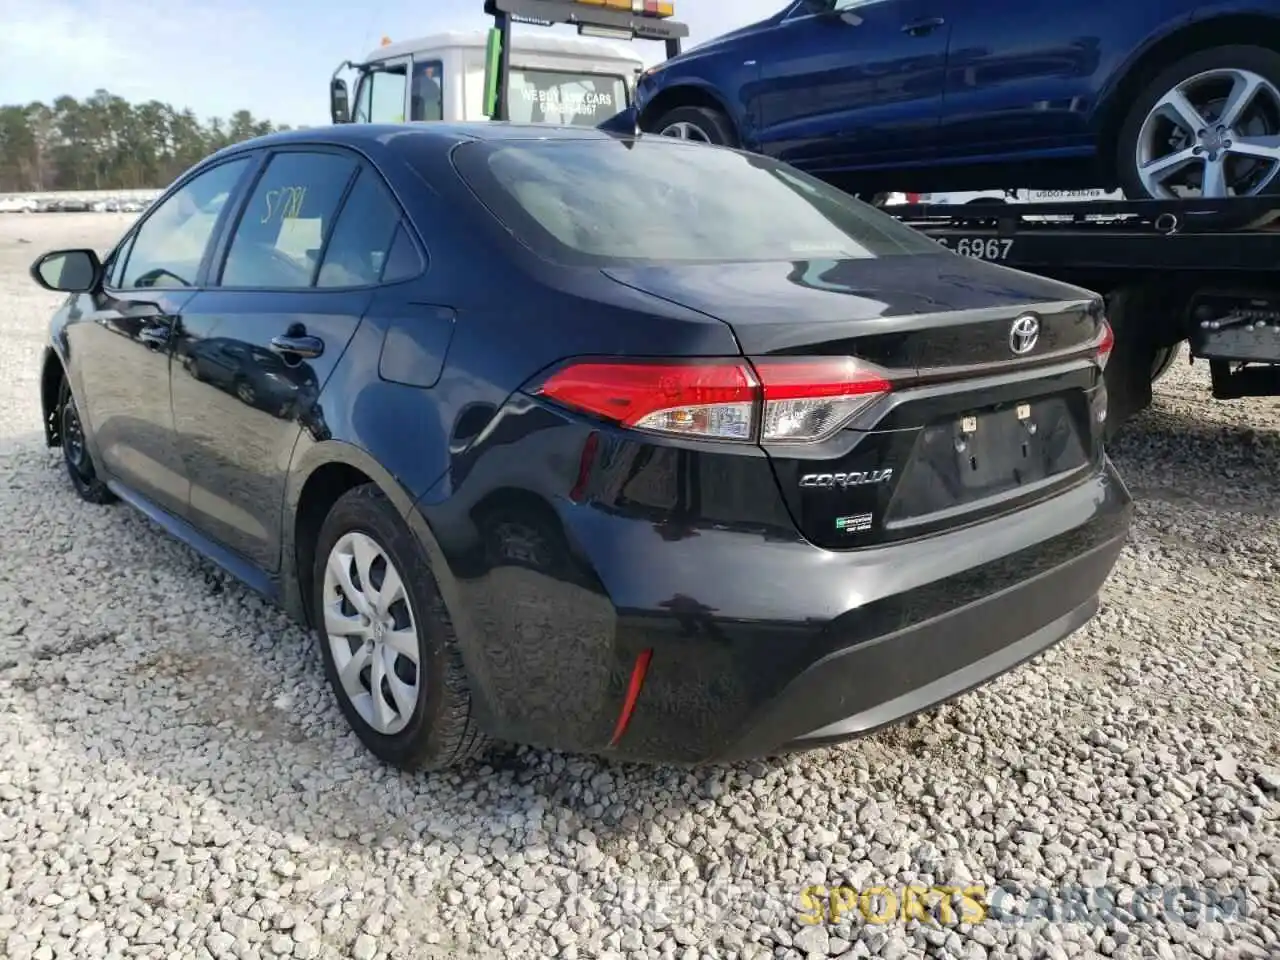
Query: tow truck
column 1201, row 271
column 477, row 75
column 1192, row 270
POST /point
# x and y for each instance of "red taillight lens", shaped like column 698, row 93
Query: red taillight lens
column 913, row 198
column 711, row 399
column 810, row 399
column 1106, row 343
column 800, row 400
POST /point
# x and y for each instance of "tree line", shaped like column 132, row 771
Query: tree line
column 105, row 142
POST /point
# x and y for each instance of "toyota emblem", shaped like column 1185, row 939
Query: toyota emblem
column 1024, row 334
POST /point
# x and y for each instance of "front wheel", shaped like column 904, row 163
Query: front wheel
column 699, row 124
column 387, row 642
column 1206, row 126
column 75, row 452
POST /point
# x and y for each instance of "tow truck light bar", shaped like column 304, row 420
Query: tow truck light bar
column 644, row 8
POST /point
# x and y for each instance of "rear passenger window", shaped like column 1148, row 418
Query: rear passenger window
column 281, row 232
column 368, row 245
column 403, row 261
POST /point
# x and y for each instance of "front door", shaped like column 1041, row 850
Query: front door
column 123, row 344
column 259, row 344
column 858, row 86
column 383, row 93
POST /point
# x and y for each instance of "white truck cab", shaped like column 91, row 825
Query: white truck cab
column 565, row 80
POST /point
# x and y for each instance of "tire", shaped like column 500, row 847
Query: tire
column 1257, row 60
column 81, row 469
column 1136, row 311
column 1165, row 357
column 699, row 124
column 438, row 730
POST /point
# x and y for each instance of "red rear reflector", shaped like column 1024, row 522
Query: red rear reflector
column 633, row 694
column 1106, row 343
column 913, row 198
column 775, row 400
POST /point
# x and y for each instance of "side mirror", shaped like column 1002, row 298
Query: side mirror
column 339, row 105
column 68, row 271
column 819, row 7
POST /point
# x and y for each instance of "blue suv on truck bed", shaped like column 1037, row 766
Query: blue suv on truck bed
column 1162, row 98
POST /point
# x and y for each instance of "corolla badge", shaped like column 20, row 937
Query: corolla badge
column 1024, row 334
column 845, row 479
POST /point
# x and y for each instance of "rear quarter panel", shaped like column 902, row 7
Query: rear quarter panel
column 1139, row 28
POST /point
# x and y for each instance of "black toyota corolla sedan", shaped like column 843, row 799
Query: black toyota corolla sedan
column 611, row 444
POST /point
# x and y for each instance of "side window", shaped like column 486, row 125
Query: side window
column 426, row 99
column 282, row 228
column 403, row 260
column 168, row 247
column 364, row 238
column 380, row 98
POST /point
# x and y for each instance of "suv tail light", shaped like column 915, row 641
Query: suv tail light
column 773, row 400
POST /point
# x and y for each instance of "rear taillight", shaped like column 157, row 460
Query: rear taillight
column 810, row 399
column 714, row 399
column 1106, row 343
column 790, row 400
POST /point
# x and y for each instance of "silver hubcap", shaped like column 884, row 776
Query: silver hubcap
column 1216, row 134
column 371, row 632
column 685, row 131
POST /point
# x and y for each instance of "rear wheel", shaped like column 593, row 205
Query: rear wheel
column 699, row 124
column 1208, row 125
column 387, row 642
column 75, row 452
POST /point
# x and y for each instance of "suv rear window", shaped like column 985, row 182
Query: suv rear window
column 657, row 199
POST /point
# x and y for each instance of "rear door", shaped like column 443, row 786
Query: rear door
column 312, row 242
column 861, row 86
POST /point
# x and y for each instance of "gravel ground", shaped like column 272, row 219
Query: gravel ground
column 175, row 780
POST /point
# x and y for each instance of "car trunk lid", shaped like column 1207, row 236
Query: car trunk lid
column 994, row 391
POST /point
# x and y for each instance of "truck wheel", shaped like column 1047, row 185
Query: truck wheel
column 1191, row 128
column 1165, row 356
column 700, row 124
column 1137, row 312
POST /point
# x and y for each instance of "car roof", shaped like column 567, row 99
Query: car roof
column 421, row 133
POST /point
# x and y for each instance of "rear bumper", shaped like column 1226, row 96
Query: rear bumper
column 863, row 688
column 761, row 645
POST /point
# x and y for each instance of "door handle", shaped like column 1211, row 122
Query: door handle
column 920, row 28
column 154, row 337
column 302, row 345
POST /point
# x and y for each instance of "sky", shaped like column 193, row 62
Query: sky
column 272, row 57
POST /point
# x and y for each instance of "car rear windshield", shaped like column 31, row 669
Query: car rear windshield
column 666, row 200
